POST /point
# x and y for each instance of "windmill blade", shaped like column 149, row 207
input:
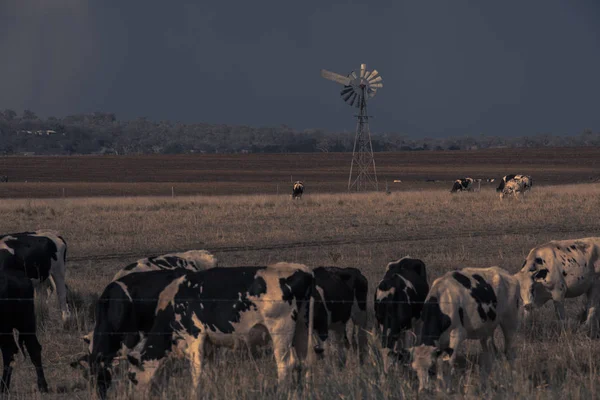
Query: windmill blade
column 363, row 70
column 346, row 90
column 351, row 102
column 376, row 85
column 353, row 75
column 346, row 96
column 332, row 76
column 374, row 73
column 378, row 79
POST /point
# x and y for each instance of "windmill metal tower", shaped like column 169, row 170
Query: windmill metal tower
column 359, row 86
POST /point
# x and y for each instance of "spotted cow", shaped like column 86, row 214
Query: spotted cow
column 466, row 304
column 462, row 184
column 344, row 291
column 563, row 269
column 43, row 255
column 398, row 303
column 17, row 313
column 297, row 190
column 194, row 260
column 228, row 307
column 526, row 182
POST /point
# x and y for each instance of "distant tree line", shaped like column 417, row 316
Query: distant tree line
column 102, row 133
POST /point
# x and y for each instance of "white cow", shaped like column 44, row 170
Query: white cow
column 563, row 269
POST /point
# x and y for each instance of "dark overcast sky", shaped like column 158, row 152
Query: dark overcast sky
column 449, row 67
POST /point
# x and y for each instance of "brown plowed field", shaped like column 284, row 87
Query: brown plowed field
column 216, row 174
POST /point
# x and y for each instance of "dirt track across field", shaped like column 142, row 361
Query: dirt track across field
column 224, row 174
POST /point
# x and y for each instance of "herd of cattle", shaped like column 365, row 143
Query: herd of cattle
column 510, row 185
column 185, row 305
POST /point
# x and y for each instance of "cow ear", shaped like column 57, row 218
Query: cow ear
column 540, row 275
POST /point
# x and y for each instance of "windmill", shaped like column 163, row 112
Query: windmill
column 359, row 86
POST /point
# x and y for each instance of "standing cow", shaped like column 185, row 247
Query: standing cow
column 462, row 184
column 125, row 309
column 3, row 178
column 17, row 313
column 227, row 307
column 526, row 180
column 344, row 292
column 297, row 190
column 466, row 304
column 42, row 254
column 398, row 303
column 563, row 269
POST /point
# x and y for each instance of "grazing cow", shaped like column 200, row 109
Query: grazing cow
column 462, row 184
column 297, row 190
column 526, row 179
column 344, row 291
column 17, row 313
column 466, row 304
column 3, row 178
column 398, row 302
column 124, row 313
column 194, row 260
column 563, row 269
column 516, row 186
column 42, row 254
column 228, row 307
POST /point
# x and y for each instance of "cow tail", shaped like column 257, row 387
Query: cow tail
column 65, row 252
column 21, row 345
column 311, row 318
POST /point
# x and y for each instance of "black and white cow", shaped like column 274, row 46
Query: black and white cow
column 563, row 269
column 17, row 312
column 462, row 184
column 42, row 254
column 398, row 302
column 466, row 304
column 297, row 190
column 344, row 291
column 526, row 179
column 124, row 314
column 228, row 307
column 193, row 260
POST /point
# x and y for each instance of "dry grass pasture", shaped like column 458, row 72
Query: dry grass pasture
column 225, row 174
column 359, row 230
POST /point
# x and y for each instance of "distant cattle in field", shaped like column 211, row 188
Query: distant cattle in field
column 462, row 185
column 42, row 254
column 526, row 179
column 516, row 186
column 563, row 269
column 344, row 292
column 465, row 304
column 398, row 303
column 297, row 190
column 3, row 178
column 17, row 313
column 194, row 260
column 230, row 307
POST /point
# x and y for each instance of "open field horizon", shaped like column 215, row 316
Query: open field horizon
column 226, row 174
column 365, row 231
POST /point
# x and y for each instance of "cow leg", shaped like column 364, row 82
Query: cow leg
column 593, row 301
column 457, row 336
column 195, row 353
column 359, row 320
column 283, row 351
column 485, row 360
column 58, row 275
column 50, row 289
column 9, row 351
column 559, row 307
column 509, row 331
column 35, row 353
column 341, row 342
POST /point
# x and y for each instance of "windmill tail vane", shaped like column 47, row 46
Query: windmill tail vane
column 359, row 87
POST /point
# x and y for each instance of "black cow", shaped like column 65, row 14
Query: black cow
column 42, row 255
column 3, row 178
column 344, row 291
column 462, row 184
column 17, row 312
column 228, row 307
column 398, row 302
column 297, row 190
column 124, row 311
